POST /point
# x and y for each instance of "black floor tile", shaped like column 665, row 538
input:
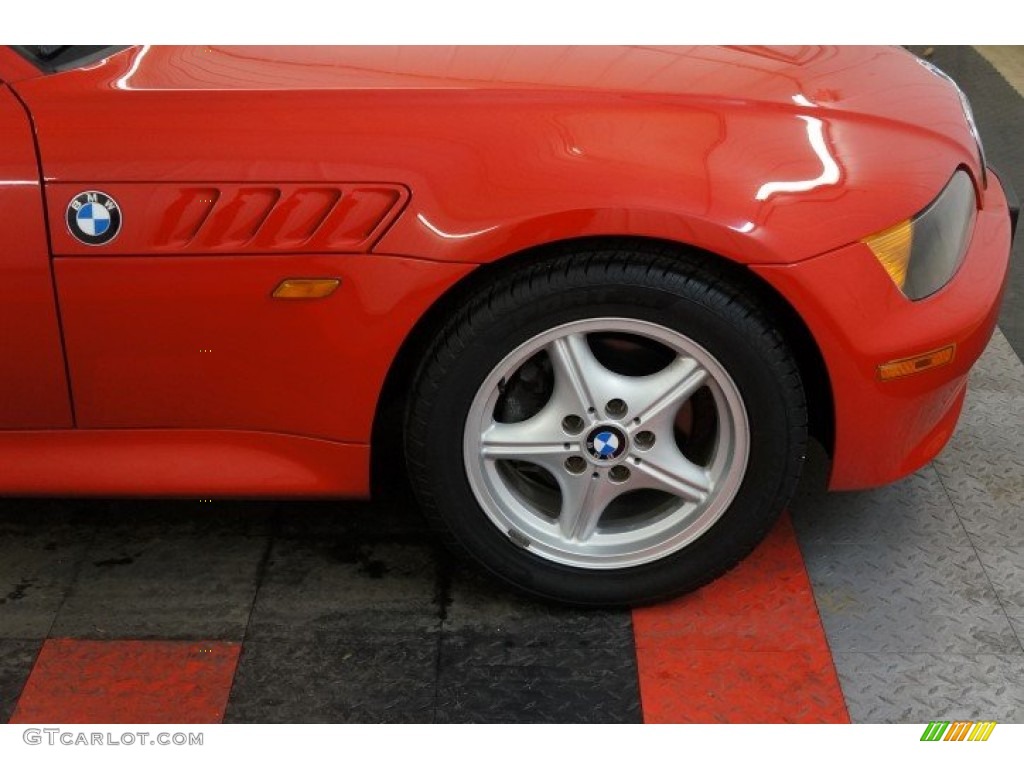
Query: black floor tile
column 362, row 521
column 510, row 658
column 489, row 681
column 142, row 518
column 346, row 586
column 16, row 660
column 36, row 572
column 335, row 680
column 163, row 586
column 479, row 606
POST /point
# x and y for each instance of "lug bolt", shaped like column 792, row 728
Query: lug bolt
column 575, row 464
column 572, row 424
column 644, row 440
column 616, row 408
column 619, row 473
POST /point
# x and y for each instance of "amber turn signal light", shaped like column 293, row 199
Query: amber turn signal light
column 892, row 249
column 910, row 365
column 303, row 288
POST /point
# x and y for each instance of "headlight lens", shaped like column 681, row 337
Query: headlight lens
column 923, row 253
column 965, row 105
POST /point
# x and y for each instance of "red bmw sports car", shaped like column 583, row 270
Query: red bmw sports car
column 592, row 300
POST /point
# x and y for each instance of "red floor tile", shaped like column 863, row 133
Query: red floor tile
column 748, row 648
column 129, row 681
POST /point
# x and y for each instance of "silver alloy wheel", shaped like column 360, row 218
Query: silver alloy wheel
column 596, row 477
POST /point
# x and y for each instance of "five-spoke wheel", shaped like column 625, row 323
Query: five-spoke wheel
column 607, row 426
column 620, row 464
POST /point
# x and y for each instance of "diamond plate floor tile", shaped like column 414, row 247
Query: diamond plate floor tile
column 880, row 596
column 16, row 659
column 36, row 571
column 909, row 688
column 1017, row 622
column 128, row 681
column 346, row 587
column 999, row 369
column 478, row 607
column 165, row 586
column 982, row 469
column 726, row 687
column 489, row 681
column 913, row 509
column 377, row 520
column 1004, row 566
column 335, row 680
column 154, row 518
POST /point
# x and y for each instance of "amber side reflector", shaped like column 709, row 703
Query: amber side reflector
column 892, row 249
column 916, row 364
column 297, row 288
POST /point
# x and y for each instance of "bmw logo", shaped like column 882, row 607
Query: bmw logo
column 93, row 218
column 606, row 443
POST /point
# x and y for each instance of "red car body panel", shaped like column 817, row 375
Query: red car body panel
column 229, row 165
column 887, row 429
column 199, row 343
column 198, row 463
column 33, row 386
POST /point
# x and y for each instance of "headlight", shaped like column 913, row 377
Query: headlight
column 965, row 105
column 923, row 253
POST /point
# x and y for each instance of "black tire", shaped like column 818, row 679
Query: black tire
column 673, row 289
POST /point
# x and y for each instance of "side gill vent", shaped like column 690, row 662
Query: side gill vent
column 244, row 218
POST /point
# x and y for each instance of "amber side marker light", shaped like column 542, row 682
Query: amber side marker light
column 296, row 288
column 910, row 365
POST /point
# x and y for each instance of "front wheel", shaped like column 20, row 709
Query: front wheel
column 607, row 427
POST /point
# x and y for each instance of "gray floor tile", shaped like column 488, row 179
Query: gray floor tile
column 170, row 587
column 335, row 680
column 909, row 597
column 913, row 509
column 16, row 660
column 917, row 688
column 346, row 587
column 1004, row 566
column 1017, row 622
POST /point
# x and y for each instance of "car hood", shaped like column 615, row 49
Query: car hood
column 886, row 82
column 760, row 154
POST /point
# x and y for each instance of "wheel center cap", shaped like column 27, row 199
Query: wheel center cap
column 606, row 443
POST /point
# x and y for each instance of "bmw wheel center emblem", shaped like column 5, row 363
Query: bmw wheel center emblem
column 606, row 443
column 93, row 218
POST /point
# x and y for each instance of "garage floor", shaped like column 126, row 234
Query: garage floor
column 904, row 604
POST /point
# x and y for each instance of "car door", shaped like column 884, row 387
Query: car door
column 33, row 381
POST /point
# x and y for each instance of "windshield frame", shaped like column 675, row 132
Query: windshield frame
column 64, row 57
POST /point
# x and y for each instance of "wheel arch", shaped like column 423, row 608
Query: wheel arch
column 386, row 437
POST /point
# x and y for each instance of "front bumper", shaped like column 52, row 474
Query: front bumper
column 860, row 320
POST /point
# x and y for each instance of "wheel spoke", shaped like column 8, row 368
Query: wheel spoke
column 537, row 440
column 582, row 383
column 657, row 397
column 666, row 469
column 584, row 500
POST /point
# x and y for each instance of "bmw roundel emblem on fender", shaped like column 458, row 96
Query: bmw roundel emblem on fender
column 93, row 218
